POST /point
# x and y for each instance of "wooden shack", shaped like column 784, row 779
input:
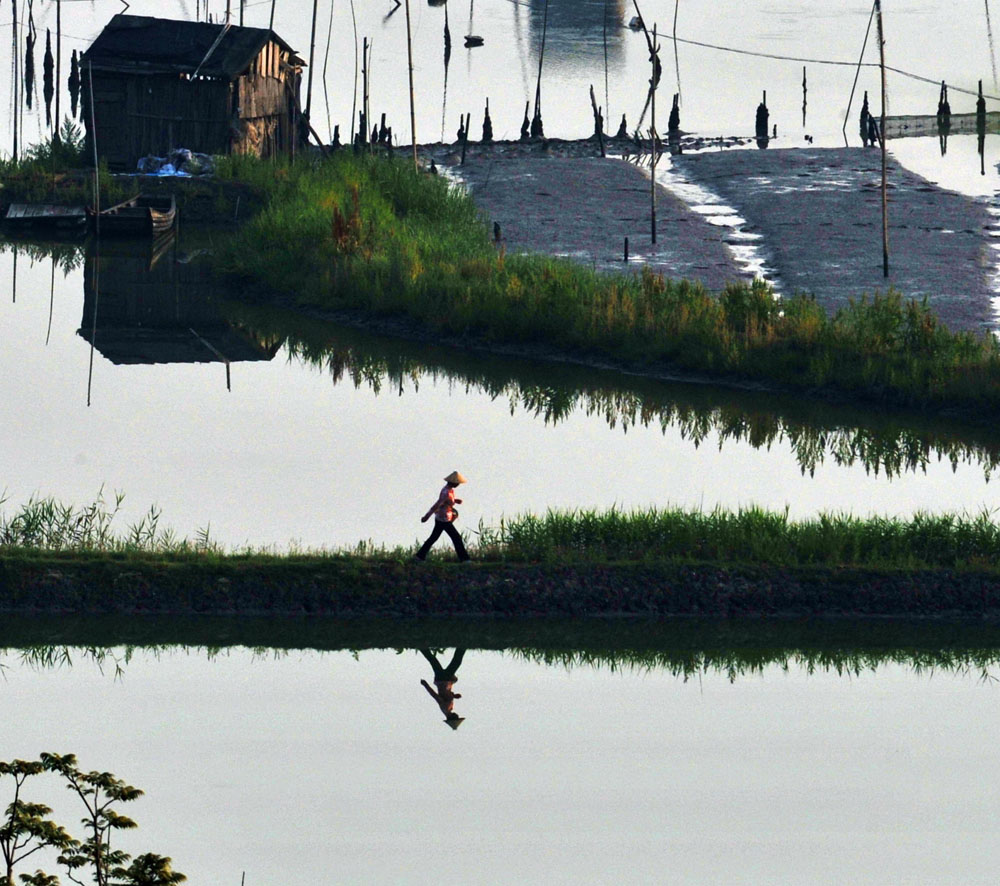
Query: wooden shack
column 161, row 84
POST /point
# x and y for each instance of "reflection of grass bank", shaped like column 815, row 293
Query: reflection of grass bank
column 684, row 647
column 654, row 563
column 369, row 235
column 816, row 431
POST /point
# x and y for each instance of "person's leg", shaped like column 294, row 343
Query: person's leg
column 456, row 540
column 434, row 536
column 453, row 665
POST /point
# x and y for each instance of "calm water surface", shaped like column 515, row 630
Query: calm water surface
column 303, row 767
column 927, row 42
column 352, row 444
column 290, row 454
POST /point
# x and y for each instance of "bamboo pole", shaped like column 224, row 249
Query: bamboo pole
column 312, row 58
column 58, row 64
column 541, row 58
column 97, row 226
column 652, row 141
column 885, row 192
column 17, row 78
column 409, row 58
column 354, row 95
column 607, row 100
column 677, row 57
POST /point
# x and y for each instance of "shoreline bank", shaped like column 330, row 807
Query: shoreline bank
column 351, row 588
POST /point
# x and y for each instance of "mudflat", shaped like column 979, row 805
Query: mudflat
column 819, row 212
column 583, row 208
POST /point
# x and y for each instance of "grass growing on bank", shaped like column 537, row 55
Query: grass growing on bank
column 750, row 535
column 747, row 536
column 370, row 234
column 56, row 171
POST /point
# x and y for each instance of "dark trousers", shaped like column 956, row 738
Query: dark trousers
column 439, row 527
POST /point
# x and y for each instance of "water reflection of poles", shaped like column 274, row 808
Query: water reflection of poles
column 981, row 128
column 444, row 681
column 52, row 296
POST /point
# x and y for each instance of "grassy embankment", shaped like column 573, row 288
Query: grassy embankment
column 59, row 558
column 370, row 236
column 61, row 171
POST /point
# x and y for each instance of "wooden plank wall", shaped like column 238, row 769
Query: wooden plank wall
column 140, row 114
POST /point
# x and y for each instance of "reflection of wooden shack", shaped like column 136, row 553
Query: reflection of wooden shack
column 153, row 309
column 161, row 84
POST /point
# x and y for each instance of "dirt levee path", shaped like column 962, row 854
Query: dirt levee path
column 584, row 208
column 819, row 212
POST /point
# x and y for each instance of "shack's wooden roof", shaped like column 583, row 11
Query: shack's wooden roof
column 146, row 45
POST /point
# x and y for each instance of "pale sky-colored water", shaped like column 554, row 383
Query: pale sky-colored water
column 719, row 90
column 318, row 768
column 289, row 456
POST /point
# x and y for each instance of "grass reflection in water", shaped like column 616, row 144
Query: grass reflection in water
column 891, row 444
column 683, row 648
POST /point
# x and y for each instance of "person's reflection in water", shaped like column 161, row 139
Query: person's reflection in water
column 444, row 682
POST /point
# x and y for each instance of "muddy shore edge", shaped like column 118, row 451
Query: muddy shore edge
column 353, row 588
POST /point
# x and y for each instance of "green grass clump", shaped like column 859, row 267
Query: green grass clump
column 59, row 170
column 750, row 535
column 46, row 524
column 372, row 235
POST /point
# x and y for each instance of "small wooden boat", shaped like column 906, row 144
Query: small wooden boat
column 473, row 40
column 142, row 216
column 45, row 218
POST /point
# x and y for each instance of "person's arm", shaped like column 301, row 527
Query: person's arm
column 433, row 508
column 430, row 691
column 430, row 511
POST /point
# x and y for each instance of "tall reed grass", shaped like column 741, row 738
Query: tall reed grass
column 49, row 525
column 370, row 234
column 750, row 535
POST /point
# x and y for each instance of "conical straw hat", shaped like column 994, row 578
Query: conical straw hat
column 455, row 477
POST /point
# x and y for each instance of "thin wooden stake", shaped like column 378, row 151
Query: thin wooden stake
column 17, row 76
column 58, row 65
column 677, row 57
column 409, row 58
column 312, row 56
column 885, row 192
column 652, row 139
column 354, row 95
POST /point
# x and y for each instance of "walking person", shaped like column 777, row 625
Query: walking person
column 445, row 515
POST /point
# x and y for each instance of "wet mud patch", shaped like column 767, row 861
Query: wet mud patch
column 819, row 214
column 584, row 208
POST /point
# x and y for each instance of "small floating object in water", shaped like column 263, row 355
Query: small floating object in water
column 473, row 40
